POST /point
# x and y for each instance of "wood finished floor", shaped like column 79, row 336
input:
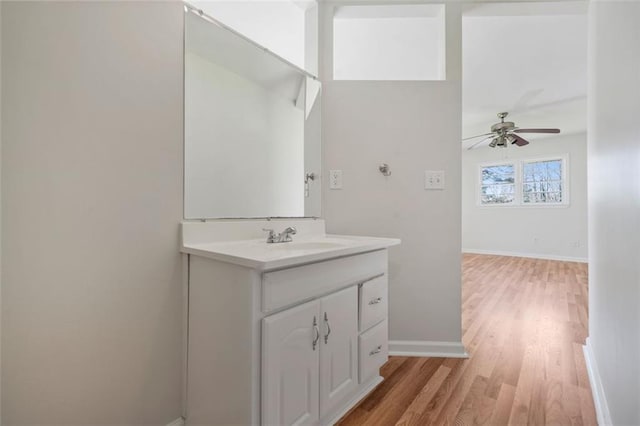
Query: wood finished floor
column 524, row 322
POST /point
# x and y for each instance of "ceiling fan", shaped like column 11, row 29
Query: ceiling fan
column 505, row 132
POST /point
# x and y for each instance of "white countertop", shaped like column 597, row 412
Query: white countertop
column 257, row 254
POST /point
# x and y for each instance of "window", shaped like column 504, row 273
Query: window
column 542, row 182
column 524, row 183
column 498, row 184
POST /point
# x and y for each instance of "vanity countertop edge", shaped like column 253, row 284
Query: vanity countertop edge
column 231, row 251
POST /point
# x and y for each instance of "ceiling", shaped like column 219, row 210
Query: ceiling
column 529, row 59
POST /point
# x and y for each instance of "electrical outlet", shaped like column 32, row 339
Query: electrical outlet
column 434, row 179
column 335, row 179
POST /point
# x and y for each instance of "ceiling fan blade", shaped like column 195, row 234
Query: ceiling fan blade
column 537, row 130
column 477, row 136
column 520, row 141
column 480, row 141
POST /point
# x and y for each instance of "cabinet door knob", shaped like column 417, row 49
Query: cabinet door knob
column 376, row 350
column 317, row 333
column 326, row 336
column 375, row 301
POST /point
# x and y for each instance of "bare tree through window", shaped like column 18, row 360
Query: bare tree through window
column 542, row 181
column 498, row 184
column 524, row 182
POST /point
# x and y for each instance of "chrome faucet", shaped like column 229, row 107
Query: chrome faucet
column 285, row 236
column 282, row 237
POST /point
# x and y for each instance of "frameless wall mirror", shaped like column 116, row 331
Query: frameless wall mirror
column 252, row 128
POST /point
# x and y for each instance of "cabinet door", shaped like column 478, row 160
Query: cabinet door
column 290, row 366
column 339, row 352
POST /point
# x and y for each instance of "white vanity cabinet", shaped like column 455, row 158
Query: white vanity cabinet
column 310, row 359
column 290, row 366
column 298, row 343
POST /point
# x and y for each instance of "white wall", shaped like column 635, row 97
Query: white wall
column 546, row 232
column 412, row 126
column 91, row 203
column 0, row 211
column 276, row 25
column 614, row 205
column 371, row 45
column 230, row 117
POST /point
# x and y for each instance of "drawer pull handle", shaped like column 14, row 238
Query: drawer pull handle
column 375, row 301
column 376, row 350
column 317, row 334
column 326, row 336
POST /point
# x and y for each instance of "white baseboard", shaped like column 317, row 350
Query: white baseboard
column 599, row 399
column 427, row 348
column 528, row 255
column 177, row 422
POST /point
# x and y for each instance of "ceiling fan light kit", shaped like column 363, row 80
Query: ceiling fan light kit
column 504, row 134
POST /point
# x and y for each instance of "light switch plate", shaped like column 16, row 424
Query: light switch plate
column 335, row 179
column 434, row 179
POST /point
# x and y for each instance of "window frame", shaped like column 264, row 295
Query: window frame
column 518, row 166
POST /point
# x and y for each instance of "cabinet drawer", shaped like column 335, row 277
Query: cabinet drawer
column 374, row 350
column 294, row 285
column 373, row 302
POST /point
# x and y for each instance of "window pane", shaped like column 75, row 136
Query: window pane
column 498, row 174
column 542, row 197
column 542, row 182
column 542, row 171
column 497, row 194
column 542, row 187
